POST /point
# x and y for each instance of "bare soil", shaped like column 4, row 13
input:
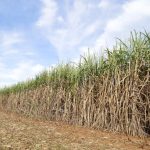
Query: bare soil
column 20, row 133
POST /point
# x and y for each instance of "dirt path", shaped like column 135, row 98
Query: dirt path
column 19, row 133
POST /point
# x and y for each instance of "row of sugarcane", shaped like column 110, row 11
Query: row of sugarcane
column 110, row 93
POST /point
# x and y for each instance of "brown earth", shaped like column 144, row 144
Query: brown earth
column 20, row 133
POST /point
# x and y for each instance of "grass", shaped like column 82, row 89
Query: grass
column 111, row 92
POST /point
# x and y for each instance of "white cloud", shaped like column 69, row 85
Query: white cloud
column 15, row 64
column 13, row 43
column 23, row 71
column 8, row 41
column 135, row 15
column 10, row 38
column 48, row 13
column 103, row 4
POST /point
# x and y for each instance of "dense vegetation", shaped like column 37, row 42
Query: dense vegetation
column 111, row 92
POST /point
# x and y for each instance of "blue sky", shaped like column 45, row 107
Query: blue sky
column 37, row 34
